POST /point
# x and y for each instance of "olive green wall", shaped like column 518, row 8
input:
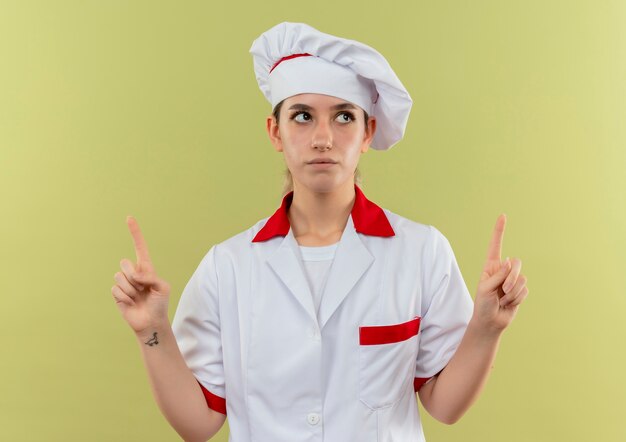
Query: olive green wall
column 151, row 108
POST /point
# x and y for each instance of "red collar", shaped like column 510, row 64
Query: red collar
column 368, row 219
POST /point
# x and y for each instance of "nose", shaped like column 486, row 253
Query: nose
column 322, row 137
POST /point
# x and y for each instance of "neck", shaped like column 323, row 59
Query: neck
column 313, row 215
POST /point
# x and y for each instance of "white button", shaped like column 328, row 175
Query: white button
column 313, row 418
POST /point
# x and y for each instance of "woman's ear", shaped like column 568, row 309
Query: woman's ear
column 370, row 130
column 273, row 132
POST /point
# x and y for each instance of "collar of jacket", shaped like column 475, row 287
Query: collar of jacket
column 368, row 219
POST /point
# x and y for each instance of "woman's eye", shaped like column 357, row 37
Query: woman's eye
column 349, row 118
column 295, row 117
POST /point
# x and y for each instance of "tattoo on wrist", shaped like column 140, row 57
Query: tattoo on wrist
column 153, row 340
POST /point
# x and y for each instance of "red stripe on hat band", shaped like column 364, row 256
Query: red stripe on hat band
column 289, row 57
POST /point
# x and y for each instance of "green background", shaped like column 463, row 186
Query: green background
column 151, row 109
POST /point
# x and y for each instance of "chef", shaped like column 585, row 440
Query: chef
column 322, row 321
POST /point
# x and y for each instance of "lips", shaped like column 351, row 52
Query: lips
column 322, row 161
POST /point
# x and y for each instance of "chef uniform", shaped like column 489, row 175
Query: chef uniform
column 339, row 358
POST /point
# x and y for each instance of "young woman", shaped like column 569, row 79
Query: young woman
column 322, row 321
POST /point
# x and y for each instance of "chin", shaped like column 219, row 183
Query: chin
column 324, row 185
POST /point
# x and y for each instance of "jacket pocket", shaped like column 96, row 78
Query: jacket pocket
column 387, row 355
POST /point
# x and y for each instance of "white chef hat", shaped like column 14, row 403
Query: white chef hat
column 295, row 58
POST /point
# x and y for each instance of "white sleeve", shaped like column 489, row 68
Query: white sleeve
column 196, row 327
column 447, row 307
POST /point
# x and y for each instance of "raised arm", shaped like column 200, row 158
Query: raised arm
column 500, row 292
column 142, row 298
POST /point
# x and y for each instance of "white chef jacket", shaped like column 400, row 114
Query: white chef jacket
column 394, row 309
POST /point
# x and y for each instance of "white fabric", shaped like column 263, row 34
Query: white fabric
column 246, row 327
column 316, row 262
column 315, row 75
column 376, row 86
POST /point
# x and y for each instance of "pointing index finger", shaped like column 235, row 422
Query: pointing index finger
column 141, row 248
column 495, row 247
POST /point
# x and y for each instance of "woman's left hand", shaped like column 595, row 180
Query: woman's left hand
column 501, row 288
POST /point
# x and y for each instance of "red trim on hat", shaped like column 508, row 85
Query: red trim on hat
column 289, row 57
column 368, row 218
column 388, row 334
column 213, row 401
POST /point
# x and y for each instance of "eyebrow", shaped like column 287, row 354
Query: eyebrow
column 304, row 107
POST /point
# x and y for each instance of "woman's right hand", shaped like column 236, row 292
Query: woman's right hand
column 140, row 294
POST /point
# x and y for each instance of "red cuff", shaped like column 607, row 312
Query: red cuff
column 418, row 382
column 213, row 401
